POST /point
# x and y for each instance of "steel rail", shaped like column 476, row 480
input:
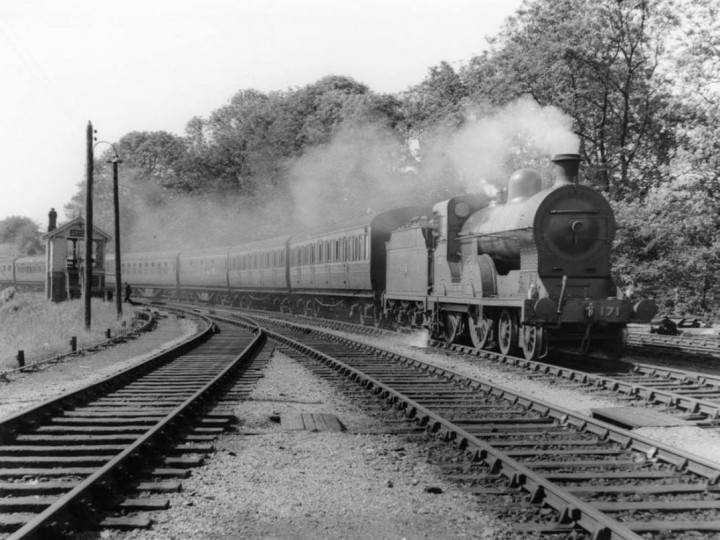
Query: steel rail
column 707, row 410
column 10, row 424
column 706, row 346
column 710, row 409
column 691, row 405
column 102, row 479
column 571, row 508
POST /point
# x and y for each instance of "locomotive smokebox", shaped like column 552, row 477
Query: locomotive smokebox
column 566, row 168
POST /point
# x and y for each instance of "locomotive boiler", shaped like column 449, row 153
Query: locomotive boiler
column 533, row 273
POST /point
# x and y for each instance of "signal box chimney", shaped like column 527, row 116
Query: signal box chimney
column 52, row 220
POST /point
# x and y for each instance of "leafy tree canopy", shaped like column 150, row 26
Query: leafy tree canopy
column 20, row 236
column 639, row 81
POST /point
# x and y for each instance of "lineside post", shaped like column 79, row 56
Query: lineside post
column 87, row 285
column 116, row 205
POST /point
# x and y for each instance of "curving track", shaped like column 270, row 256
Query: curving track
column 568, row 474
column 85, row 456
column 692, row 395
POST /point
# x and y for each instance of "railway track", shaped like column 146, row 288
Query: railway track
column 554, row 471
column 98, row 455
column 646, row 343
column 691, row 396
column 694, row 395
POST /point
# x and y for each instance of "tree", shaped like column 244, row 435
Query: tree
column 436, row 100
column 668, row 245
column 20, row 236
column 679, row 255
column 596, row 60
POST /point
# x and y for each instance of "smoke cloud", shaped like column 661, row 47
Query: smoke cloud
column 362, row 169
column 366, row 168
column 489, row 148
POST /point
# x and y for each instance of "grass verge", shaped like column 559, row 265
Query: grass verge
column 43, row 329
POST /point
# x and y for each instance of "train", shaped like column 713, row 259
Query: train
column 530, row 273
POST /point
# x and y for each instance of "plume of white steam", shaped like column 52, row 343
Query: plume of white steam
column 487, row 149
column 195, row 223
column 359, row 170
column 367, row 167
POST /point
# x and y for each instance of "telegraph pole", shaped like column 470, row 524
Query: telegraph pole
column 116, row 204
column 87, row 285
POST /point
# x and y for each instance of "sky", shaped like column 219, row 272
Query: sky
column 152, row 65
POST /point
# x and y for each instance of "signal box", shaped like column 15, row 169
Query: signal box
column 65, row 262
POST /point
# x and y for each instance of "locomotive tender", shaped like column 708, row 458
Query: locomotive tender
column 530, row 274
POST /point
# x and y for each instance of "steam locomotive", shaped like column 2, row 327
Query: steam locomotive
column 530, row 274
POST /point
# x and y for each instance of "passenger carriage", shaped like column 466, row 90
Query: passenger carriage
column 203, row 274
column 7, row 272
column 257, row 273
column 151, row 274
column 340, row 268
column 30, row 272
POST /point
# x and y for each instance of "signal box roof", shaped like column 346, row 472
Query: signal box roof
column 75, row 229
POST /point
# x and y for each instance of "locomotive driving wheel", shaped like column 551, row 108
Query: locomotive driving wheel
column 533, row 341
column 453, row 327
column 312, row 309
column 508, row 332
column 482, row 331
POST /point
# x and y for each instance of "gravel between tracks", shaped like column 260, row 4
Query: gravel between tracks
column 268, row 483
column 265, row 483
column 701, row 442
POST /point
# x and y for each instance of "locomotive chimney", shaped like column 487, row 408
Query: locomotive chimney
column 566, row 168
column 52, row 220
